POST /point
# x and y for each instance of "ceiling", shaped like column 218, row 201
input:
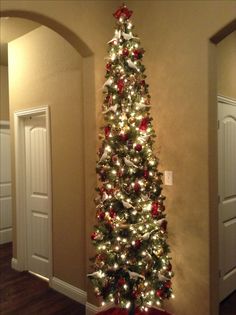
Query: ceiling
column 10, row 29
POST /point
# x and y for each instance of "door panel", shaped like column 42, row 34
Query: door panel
column 227, row 192
column 37, row 178
column 5, row 187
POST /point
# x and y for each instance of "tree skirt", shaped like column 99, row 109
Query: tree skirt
column 121, row 311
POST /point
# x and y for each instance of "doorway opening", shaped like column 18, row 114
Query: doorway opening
column 73, row 119
column 222, row 170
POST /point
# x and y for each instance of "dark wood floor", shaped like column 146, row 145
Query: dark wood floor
column 228, row 306
column 24, row 294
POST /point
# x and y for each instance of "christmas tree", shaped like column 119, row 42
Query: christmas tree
column 132, row 264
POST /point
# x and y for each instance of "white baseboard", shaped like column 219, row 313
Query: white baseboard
column 93, row 309
column 15, row 265
column 68, row 290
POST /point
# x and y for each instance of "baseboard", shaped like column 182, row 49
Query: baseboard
column 68, row 290
column 15, row 265
column 93, row 309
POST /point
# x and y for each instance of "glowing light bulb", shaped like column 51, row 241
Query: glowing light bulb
column 128, row 305
column 129, row 26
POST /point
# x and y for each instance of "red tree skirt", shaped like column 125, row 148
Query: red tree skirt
column 122, row 311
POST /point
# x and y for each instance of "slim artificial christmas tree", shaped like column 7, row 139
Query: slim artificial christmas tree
column 132, row 267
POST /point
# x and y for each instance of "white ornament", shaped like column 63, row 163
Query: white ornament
column 145, row 197
column 96, row 274
column 108, row 82
column 129, row 163
column 104, row 196
column 135, row 275
column 112, row 108
column 104, row 156
column 147, row 235
column 116, row 36
column 99, row 237
column 160, row 222
column 127, row 205
column 131, row 64
column 143, row 138
column 162, row 278
column 128, row 36
column 141, row 105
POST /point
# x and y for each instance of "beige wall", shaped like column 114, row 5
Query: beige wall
column 4, row 97
column 175, row 35
column 45, row 70
column 226, row 66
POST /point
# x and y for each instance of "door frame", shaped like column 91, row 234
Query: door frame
column 21, row 263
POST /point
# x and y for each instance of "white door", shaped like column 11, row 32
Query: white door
column 5, row 186
column 37, row 191
column 227, row 196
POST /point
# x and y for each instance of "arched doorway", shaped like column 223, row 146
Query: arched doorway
column 88, row 103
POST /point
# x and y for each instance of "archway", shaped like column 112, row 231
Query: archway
column 213, row 164
column 88, row 108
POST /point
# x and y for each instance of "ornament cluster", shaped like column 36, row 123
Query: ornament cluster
column 132, row 262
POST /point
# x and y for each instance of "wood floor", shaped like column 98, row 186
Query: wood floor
column 24, row 294
column 228, row 306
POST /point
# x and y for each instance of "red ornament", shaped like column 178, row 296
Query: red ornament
column 120, row 85
column 143, row 124
column 112, row 213
column 120, row 173
column 114, row 158
column 145, row 174
column 168, row 284
column 109, row 99
column 138, row 54
column 110, row 191
column 101, row 215
column 108, row 66
column 121, row 281
column 155, row 209
column 123, row 12
column 124, row 136
column 136, row 187
column 93, row 236
column 164, row 225
column 135, row 294
column 169, row 267
column 143, row 83
column 159, row 293
column 138, row 147
column 125, row 52
column 138, row 244
column 107, row 131
column 102, row 189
